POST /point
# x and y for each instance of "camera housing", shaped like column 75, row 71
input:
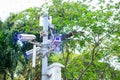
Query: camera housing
column 57, row 39
column 26, row 37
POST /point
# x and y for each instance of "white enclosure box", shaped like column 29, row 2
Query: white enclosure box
column 54, row 71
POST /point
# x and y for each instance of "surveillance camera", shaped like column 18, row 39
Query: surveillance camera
column 26, row 37
column 29, row 53
column 57, row 39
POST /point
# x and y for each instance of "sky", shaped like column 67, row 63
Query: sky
column 15, row 6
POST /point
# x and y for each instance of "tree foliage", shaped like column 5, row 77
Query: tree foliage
column 100, row 39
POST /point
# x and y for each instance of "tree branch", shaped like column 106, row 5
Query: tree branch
column 66, row 62
column 91, row 62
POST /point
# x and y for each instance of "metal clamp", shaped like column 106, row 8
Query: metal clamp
column 43, row 33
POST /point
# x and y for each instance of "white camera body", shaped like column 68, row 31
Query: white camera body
column 26, row 37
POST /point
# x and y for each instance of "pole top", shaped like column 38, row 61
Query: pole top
column 45, row 15
column 55, row 65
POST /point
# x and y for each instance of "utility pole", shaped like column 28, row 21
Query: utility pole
column 53, row 71
column 45, row 23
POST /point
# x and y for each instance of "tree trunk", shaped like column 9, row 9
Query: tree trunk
column 5, row 75
column 66, row 62
column 12, row 75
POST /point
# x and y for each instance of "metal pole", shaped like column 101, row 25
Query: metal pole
column 45, row 49
column 34, row 56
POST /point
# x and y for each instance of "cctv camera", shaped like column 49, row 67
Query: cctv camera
column 57, row 39
column 29, row 53
column 26, row 37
